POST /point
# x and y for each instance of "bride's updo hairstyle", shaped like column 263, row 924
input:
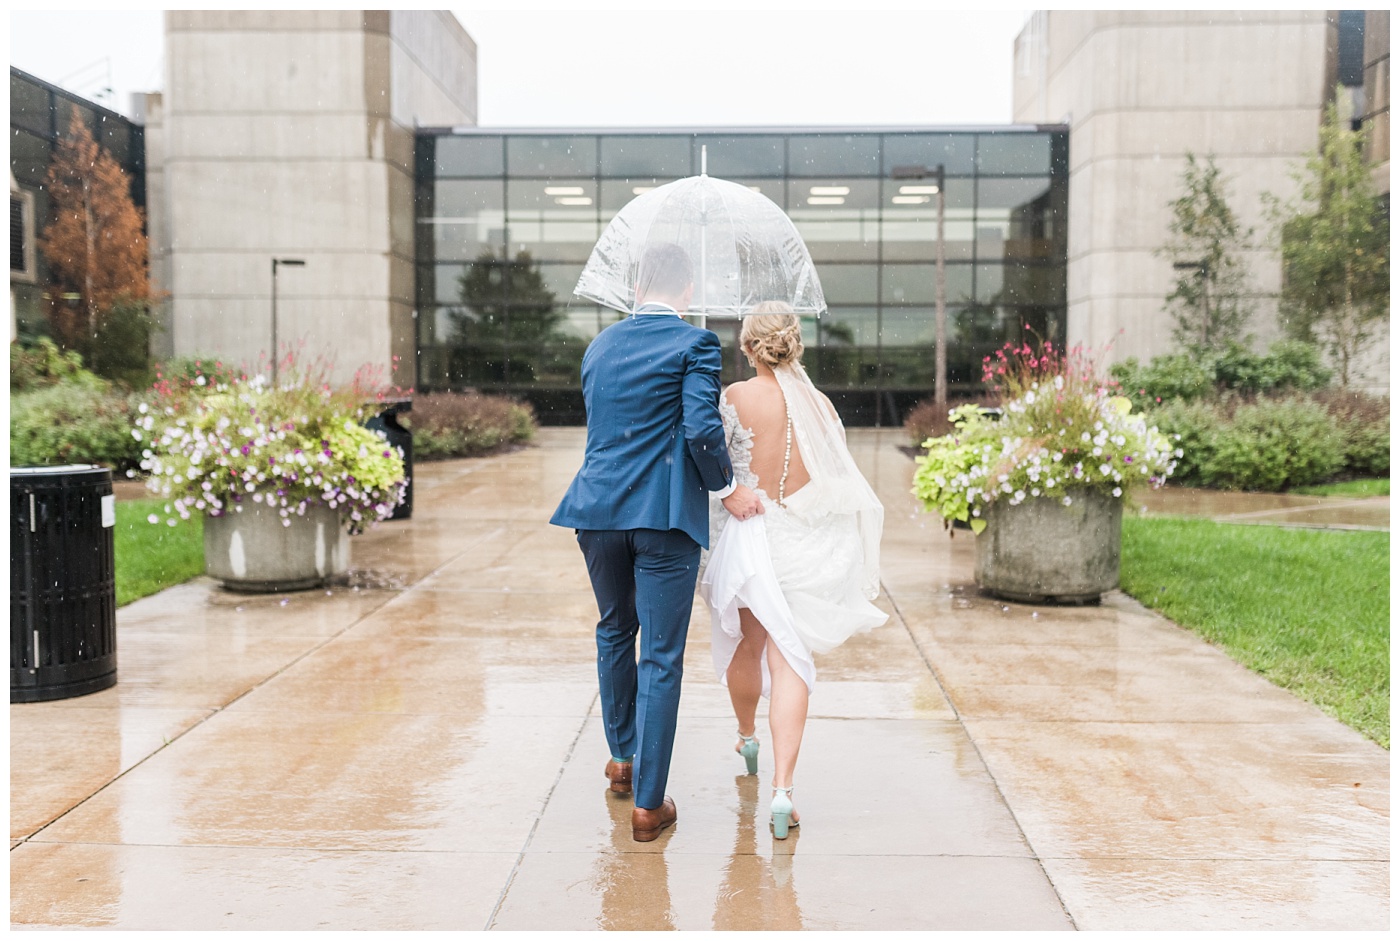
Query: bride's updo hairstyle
column 772, row 335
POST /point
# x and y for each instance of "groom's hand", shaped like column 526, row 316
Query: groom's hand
column 743, row 503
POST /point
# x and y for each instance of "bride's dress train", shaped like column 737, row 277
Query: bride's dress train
column 808, row 569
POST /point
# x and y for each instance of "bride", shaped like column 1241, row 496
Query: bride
column 798, row 578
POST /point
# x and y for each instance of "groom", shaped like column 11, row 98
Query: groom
column 640, row 507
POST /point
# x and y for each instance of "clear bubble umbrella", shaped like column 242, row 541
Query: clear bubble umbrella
column 744, row 250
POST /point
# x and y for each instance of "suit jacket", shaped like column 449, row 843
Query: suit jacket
column 655, row 438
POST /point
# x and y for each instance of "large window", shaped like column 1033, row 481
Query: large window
column 508, row 220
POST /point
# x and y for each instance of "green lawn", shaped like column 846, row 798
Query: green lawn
column 1368, row 487
column 149, row 556
column 1309, row 609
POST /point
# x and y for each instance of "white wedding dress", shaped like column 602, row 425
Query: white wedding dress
column 808, row 570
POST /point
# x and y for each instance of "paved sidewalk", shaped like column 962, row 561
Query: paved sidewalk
column 423, row 750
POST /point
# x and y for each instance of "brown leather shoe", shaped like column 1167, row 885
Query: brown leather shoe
column 648, row 824
column 620, row 774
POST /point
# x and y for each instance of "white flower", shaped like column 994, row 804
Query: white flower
column 1020, row 495
column 153, row 519
column 142, row 408
column 1066, row 501
column 1117, row 491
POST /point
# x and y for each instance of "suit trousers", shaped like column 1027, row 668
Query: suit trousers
column 644, row 581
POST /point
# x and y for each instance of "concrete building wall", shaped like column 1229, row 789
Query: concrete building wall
column 1139, row 91
column 290, row 135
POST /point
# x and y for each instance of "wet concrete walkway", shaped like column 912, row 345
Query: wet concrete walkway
column 423, row 750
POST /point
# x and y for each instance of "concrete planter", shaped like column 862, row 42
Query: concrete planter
column 1044, row 551
column 252, row 551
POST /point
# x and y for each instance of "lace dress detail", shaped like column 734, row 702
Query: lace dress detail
column 797, row 567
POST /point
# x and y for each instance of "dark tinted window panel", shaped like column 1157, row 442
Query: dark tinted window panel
column 1351, row 43
column 1014, row 284
column 850, row 284
column 847, row 351
column 17, row 244
column 468, row 219
column 1013, row 154
column 957, row 152
column 834, row 155
column 838, row 218
column 29, row 157
column 469, row 156
column 29, row 106
column 909, row 220
column 742, row 155
column 552, row 156
column 917, row 284
column 664, row 156
column 554, row 219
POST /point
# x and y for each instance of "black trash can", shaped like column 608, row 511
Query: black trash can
column 387, row 421
column 63, row 596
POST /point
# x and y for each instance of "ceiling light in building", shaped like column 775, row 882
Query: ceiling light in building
column 830, row 191
column 574, row 200
column 563, row 190
column 639, row 190
column 825, row 200
column 908, row 200
column 918, row 190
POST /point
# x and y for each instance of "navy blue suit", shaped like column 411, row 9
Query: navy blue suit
column 640, row 504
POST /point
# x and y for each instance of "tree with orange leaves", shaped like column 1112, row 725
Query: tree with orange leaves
column 94, row 243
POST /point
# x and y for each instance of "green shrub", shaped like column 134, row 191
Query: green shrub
column 925, row 420
column 1178, row 376
column 1197, row 423
column 466, row 424
column 44, row 364
column 72, row 423
column 121, row 350
column 1273, row 445
column 1199, row 374
column 1364, row 421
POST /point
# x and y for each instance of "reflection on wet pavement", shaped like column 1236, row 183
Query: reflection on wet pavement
column 420, row 749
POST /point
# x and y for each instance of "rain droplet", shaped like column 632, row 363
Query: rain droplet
column 239, row 608
column 282, row 603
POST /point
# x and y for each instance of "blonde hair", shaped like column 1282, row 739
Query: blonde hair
column 772, row 334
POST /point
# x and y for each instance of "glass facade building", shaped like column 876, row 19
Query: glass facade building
column 506, row 221
column 40, row 115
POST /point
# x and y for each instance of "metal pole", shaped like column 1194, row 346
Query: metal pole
column 940, row 355
column 274, row 322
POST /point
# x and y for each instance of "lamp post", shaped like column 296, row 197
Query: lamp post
column 1202, row 269
column 940, row 349
column 294, row 263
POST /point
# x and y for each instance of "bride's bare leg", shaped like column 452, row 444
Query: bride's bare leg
column 787, row 716
column 745, row 673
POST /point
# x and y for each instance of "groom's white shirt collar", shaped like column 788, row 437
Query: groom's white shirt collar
column 655, row 307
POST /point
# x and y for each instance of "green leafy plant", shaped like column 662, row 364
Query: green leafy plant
column 44, row 364
column 224, row 438
column 1334, row 239
column 466, row 424
column 1275, row 444
column 72, row 423
column 1202, row 374
column 1210, row 300
column 1060, row 430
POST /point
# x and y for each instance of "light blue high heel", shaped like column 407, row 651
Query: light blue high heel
column 748, row 747
column 782, row 812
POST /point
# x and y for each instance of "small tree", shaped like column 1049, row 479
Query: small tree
column 94, row 243
column 1335, row 247
column 1210, row 301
